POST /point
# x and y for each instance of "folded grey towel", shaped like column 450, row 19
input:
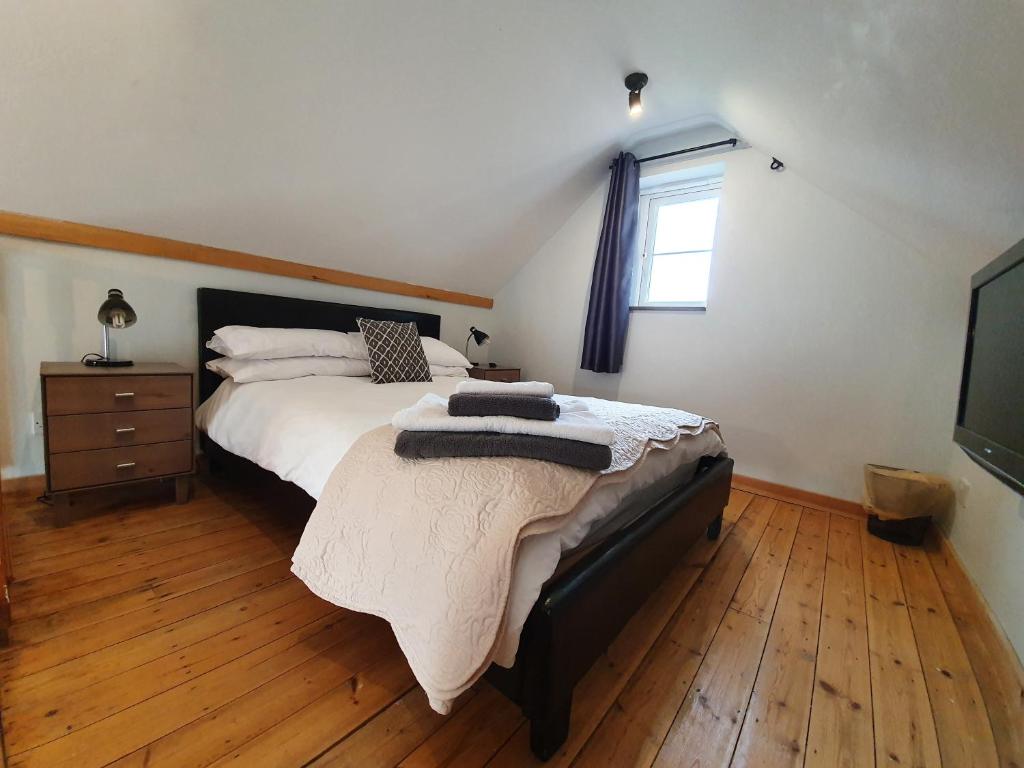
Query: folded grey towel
column 521, row 406
column 436, row 445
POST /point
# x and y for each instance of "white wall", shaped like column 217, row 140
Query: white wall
column 987, row 531
column 48, row 302
column 826, row 343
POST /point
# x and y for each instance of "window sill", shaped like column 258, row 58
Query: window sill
column 667, row 309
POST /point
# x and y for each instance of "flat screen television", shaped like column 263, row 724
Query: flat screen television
column 990, row 417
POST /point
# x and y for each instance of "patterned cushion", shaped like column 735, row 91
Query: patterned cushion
column 395, row 351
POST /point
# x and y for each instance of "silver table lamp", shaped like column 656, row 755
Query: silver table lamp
column 115, row 312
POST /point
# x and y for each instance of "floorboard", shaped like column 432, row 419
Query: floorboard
column 471, row 736
column 904, row 725
column 775, row 723
column 391, row 735
column 597, row 691
column 841, row 731
column 24, row 659
column 961, row 721
column 998, row 671
column 29, row 726
column 149, row 634
column 635, row 727
column 708, row 722
column 280, row 721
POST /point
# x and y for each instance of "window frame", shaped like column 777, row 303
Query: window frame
column 652, row 199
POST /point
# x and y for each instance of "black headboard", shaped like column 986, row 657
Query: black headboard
column 218, row 308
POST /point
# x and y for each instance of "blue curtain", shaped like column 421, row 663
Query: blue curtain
column 611, row 287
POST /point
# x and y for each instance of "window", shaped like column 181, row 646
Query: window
column 677, row 238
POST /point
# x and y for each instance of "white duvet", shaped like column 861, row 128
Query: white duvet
column 300, row 428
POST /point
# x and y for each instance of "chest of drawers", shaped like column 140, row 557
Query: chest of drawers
column 108, row 426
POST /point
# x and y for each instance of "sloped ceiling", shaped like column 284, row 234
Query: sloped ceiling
column 443, row 143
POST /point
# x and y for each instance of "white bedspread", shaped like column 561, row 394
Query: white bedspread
column 300, row 428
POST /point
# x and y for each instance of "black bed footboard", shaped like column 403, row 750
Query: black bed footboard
column 580, row 612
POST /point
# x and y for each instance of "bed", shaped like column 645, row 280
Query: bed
column 573, row 589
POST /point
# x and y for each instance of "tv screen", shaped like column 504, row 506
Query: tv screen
column 990, row 423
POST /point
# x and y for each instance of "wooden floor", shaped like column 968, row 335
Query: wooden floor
column 151, row 634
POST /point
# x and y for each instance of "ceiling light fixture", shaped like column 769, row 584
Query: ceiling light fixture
column 635, row 82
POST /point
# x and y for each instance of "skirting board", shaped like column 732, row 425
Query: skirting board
column 798, row 496
column 29, row 484
column 971, row 610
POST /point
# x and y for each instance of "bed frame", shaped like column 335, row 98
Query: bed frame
column 580, row 611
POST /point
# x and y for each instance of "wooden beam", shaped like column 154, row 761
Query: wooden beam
column 72, row 233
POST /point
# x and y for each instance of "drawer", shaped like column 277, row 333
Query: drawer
column 503, row 376
column 82, row 469
column 105, row 394
column 82, row 432
column 498, row 375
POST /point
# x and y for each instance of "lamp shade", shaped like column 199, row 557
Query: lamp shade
column 479, row 336
column 115, row 312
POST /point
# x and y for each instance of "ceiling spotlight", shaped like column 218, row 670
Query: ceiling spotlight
column 635, row 82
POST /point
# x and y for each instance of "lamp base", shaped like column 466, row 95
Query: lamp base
column 104, row 363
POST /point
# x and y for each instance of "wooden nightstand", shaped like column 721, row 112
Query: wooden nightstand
column 111, row 426
column 495, row 374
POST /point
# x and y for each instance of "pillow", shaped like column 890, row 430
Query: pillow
column 248, row 343
column 394, row 351
column 246, row 371
column 449, row 370
column 437, row 352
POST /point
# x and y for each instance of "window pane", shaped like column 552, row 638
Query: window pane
column 681, row 277
column 687, row 226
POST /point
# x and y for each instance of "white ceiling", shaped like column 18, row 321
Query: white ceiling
column 443, row 142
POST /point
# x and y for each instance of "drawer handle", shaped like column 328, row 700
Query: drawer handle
column 124, row 394
column 124, row 430
column 125, row 465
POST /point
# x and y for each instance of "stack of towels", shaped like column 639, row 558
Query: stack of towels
column 489, row 418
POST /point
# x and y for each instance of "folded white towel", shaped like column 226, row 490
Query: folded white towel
column 576, row 421
column 482, row 387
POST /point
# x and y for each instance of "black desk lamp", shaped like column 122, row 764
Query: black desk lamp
column 115, row 312
column 478, row 336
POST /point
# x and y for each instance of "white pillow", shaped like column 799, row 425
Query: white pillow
column 246, row 371
column 449, row 370
column 437, row 352
column 248, row 343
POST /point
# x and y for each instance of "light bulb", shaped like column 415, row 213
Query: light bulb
column 635, row 107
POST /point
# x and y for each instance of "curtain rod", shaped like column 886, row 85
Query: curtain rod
column 731, row 142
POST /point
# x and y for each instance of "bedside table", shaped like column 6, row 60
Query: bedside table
column 495, row 374
column 111, row 426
